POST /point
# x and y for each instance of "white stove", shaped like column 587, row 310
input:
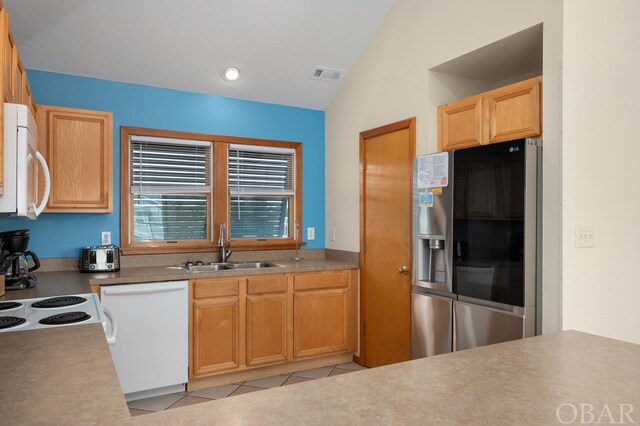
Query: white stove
column 51, row 312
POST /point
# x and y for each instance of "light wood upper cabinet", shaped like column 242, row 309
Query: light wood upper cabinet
column 514, row 111
column 13, row 79
column 507, row 113
column 33, row 107
column 8, row 57
column 461, row 123
column 20, row 80
column 78, row 147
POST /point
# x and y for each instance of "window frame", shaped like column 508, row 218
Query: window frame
column 218, row 200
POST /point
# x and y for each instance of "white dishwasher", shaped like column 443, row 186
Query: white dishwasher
column 149, row 336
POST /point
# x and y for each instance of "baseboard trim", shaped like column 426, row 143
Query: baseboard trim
column 272, row 370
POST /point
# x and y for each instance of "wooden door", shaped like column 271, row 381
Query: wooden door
column 385, row 247
column 78, row 147
column 215, row 335
column 461, row 124
column 267, row 329
column 514, row 111
column 320, row 322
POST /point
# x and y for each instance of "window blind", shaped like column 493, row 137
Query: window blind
column 170, row 182
column 170, row 166
column 262, row 187
column 261, row 170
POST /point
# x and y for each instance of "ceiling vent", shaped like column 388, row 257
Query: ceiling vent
column 326, row 74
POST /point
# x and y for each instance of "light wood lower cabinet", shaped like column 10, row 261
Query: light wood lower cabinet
column 249, row 322
column 266, row 329
column 321, row 322
column 215, row 326
column 216, row 335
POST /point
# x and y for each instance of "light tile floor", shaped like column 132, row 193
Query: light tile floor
column 181, row 399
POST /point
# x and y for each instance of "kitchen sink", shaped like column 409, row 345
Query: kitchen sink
column 229, row 266
column 253, row 265
column 208, row 267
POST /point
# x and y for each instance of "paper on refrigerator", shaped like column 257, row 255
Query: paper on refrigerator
column 433, row 170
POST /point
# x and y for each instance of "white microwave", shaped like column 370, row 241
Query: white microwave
column 21, row 161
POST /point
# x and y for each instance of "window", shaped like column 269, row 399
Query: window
column 171, row 186
column 177, row 187
column 262, row 191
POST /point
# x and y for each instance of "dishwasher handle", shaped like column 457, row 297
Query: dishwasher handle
column 111, row 339
column 122, row 290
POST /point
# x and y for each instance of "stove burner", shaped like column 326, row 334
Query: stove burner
column 9, row 305
column 65, row 318
column 59, row 302
column 8, row 322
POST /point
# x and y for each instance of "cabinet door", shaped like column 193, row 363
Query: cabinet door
column 19, row 81
column 266, row 329
column 320, row 322
column 514, row 111
column 215, row 335
column 461, row 124
column 78, row 147
column 8, row 60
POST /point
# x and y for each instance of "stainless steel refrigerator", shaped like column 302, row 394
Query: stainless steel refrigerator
column 476, row 240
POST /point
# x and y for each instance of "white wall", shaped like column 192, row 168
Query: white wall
column 391, row 81
column 601, row 175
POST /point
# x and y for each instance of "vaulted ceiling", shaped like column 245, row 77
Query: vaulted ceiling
column 185, row 45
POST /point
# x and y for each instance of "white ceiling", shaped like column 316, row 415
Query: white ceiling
column 184, row 44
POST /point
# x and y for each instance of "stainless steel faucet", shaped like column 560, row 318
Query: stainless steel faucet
column 222, row 244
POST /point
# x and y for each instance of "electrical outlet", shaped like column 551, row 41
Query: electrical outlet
column 106, row 238
column 311, row 233
column 332, row 234
column 584, row 236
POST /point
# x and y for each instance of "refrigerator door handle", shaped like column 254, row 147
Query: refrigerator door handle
column 455, row 328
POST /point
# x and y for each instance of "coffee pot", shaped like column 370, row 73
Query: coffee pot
column 14, row 262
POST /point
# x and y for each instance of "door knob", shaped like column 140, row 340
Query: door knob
column 403, row 270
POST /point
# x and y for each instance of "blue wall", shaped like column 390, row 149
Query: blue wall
column 62, row 235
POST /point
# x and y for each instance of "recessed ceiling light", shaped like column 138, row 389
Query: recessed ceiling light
column 231, row 73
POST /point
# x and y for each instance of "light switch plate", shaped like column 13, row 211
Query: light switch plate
column 584, row 236
column 106, row 238
column 332, row 234
column 311, row 233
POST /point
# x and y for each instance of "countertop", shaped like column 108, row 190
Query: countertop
column 59, row 376
column 74, row 282
column 65, row 375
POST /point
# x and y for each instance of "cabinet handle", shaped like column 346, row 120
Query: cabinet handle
column 403, row 270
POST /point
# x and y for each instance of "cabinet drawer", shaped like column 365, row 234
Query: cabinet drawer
column 267, row 284
column 215, row 287
column 321, row 280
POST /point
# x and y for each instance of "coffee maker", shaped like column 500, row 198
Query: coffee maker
column 13, row 260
